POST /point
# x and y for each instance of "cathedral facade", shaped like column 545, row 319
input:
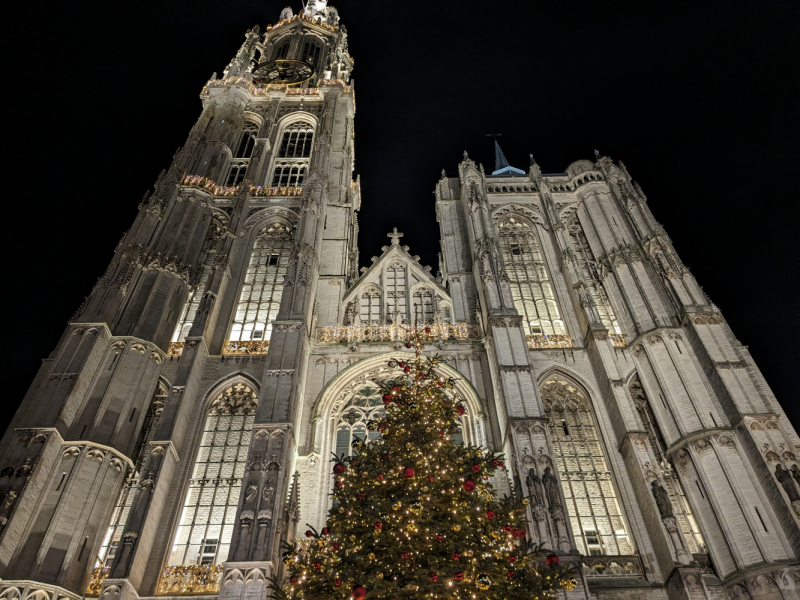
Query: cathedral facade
column 181, row 431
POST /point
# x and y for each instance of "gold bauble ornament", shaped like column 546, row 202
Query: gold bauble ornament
column 425, row 488
column 396, row 506
column 353, row 538
column 341, row 509
column 525, row 501
column 456, row 527
column 415, row 507
column 483, row 582
column 371, row 556
column 467, row 553
column 379, row 576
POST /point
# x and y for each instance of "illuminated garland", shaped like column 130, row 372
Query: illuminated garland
column 391, row 333
column 303, row 17
column 276, row 191
column 414, row 514
column 205, row 183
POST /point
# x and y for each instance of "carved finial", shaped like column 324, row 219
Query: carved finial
column 444, row 174
column 466, row 156
column 597, row 155
column 395, row 235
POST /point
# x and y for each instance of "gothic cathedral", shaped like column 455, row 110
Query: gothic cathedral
column 181, row 431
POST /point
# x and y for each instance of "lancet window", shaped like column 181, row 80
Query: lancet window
column 592, row 505
column 247, row 141
column 370, row 306
column 422, row 303
column 311, row 52
column 113, row 538
column 209, row 510
column 587, row 264
column 395, row 286
column 531, row 287
column 192, row 303
column 669, row 477
column 294, row 155
column 262, row 289
column 282, row 51
column 236, row 173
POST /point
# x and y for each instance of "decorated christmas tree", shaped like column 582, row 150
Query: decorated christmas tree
column 414, row 514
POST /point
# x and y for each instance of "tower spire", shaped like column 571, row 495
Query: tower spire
column 500, row 161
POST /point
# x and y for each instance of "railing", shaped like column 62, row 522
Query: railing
column 612, row 566
column 617, row 339
column 257, row 89
column 542, row 340
column 190, row 579
column 205, row 183
column 246, row 348
column 393, row 333
column 262, row 190
column 175, row 348
column 96, row 581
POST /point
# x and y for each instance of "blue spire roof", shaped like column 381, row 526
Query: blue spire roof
column 501, row 166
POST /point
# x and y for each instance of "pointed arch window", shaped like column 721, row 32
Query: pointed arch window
column 680, row 504
column 247, row 141
column 209, row 509
column 370, row 306
column 531, row 288
column 311, row 53
column 282, row 51
column 294, row 155
column 586, row 262
column 587, row 482
column 396, row 301
column 423, row 305
column 262, row 290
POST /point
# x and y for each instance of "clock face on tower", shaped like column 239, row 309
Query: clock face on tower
column 285, row 71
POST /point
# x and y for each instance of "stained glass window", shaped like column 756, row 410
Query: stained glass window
column 209, row 511
column 531, row 287
column 588, row 485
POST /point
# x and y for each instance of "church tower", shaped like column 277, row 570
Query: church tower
column 181, row 429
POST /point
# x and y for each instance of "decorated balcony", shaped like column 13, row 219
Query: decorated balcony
column 175, row 348
column 205, row 183
column 289, row 190
column 347, row 334
column 189, row 579
column 618, row 340
column 541, row 341
column 245, row 348
column 612, row 567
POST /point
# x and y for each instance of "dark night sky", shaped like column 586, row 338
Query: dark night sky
column 699, row 99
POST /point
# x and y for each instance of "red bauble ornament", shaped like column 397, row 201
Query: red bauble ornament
column 362, row 496
column 501, row 464
column 456, row 556
column 509, row 574
column 335, row 546
column 339, row 485
column 359, row 592
column 552, row 560
column 402, row 364
column 387, row 457
column 427, row 330
column 405, row 555
column 486, row 478
column 461, row 410
column 434, row 577
column 380, row 476
column 469, row 485
column 490, row 514
column 439, row 537
column 293, row 580
column 337, row 582
column 495, row 463
column 430, row 477
column 317, row 565
column 406, row 369
column 387, row 398
column 378, row 525
column 408, row 345
column 507, row 528
column 438, row 384
column 512, row 559
column 396, row 389
column 309, row 533
column 325, row 531
column 476, row 468
column 518, row 533
column 408, row 472
column 458, row 576
column 422, row 375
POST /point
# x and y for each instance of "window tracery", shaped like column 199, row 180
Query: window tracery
column 395, row 285
column 423, row 304
column 262, row 289
column 294, row 155
column 586, row 480
column 530, row 283
column 370, row 306
column 192, row 304
column 209, row 510
column 587, row 264
column 677, row 496
column 247, row 141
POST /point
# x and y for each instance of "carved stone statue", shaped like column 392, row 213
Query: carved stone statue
column 662, row 500
column 535, row 487
column 796, row 473
column 786, row 479
column 551, row 488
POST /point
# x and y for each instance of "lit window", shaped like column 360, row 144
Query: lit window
column 594, row 511
column 422, row 303
column 209, row 510
column 261, row 293
column 531, row 287
column 370, row 306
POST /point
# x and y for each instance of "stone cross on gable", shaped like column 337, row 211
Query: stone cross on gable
column 395, row 235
